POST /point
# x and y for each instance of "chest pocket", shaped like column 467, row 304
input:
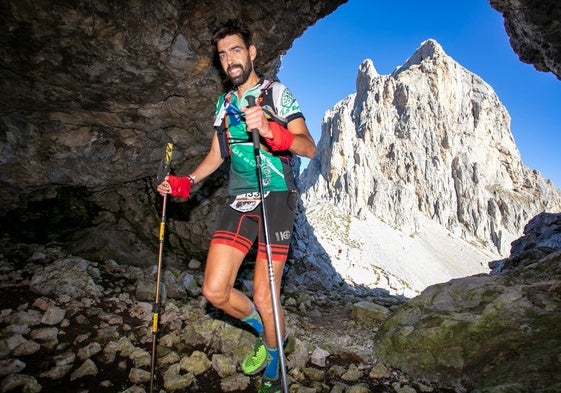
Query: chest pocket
column 265, row 100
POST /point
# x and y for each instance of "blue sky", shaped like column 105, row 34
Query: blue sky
column 322, row 65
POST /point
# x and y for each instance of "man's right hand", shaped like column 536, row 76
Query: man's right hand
column 176, row 186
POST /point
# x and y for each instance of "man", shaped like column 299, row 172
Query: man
column 241, row 221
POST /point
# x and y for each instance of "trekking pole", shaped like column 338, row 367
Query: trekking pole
column 274, row 297
column 163, row 171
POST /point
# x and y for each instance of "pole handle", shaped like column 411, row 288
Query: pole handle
column 165, row 165
column 255, row 131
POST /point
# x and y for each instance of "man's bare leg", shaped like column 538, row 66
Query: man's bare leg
column 222, row 265
column 263, row 300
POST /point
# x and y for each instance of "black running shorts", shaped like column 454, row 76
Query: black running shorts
column 239, row 229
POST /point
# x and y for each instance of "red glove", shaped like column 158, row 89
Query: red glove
column 180, row 186
column 282, row 138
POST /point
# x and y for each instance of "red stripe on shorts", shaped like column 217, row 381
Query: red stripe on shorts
column 232, row 239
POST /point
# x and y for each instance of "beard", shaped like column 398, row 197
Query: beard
column 243, row 77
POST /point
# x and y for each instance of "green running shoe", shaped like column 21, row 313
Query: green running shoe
column 270, row 386
column 256, row 360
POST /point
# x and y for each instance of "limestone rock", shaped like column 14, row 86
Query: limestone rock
column 23, row 382
column 10, row 366
column 319, row 356
column 368, row 312
column 415, row 172
column 235, row 383
column 508, row 319
column 85, row 369
column 197, row 363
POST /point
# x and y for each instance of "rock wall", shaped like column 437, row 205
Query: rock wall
column 90, row 93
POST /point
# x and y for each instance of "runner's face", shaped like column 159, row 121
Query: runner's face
column 235, row 58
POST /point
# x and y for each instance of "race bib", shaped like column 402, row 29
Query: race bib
column 247, row 202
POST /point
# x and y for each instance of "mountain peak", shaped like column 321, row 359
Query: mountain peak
column 429, row 49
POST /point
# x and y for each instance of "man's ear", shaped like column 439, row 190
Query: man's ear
column 252, row 52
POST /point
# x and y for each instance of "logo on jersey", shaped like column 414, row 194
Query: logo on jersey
column 288, row 104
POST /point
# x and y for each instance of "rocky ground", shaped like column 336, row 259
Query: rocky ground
column 72, row 325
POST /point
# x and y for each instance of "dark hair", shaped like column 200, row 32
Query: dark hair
column 233, row 27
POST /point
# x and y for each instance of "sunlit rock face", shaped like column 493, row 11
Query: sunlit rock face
column 417, row 179
column 90, row 93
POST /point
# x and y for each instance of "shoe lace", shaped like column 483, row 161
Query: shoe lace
column 268, row 387
column 256, row 345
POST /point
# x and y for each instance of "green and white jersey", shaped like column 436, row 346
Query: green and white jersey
column 277, row 169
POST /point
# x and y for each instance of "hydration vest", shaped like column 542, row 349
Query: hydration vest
column 266, row 101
